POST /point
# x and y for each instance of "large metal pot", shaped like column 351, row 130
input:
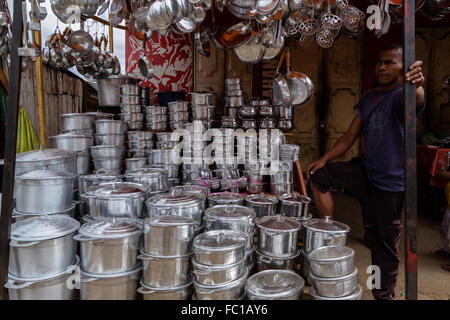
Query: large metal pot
column 46, row 288
column 42, row 246
column 356, row 295
column 44, row 191
column 115, row 200
column 109, row 246
column 219, row 247
column 106, row 126
column 264, row 205
column 225, row 198
column 324, row 232
column 183, row 292
column 77, row 121
column 230, row 217
column 166, row 271
column 168, row 235
column 51, row 159
column 332, row 261
column 121, row 286
column 154, row 178
column 218, row 274
column 265, row 262
column 335, row 287
column 72, row 141
column 230, row 291
column 110, row 139
column 85, row 181
column 188, row 206
column 109, row 91
column 275, row 285
column 294, row 205
column 278, row 236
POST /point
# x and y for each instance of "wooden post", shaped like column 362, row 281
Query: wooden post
column 10, row 145
column 111, row 37
column 409, row 101
column 40, row 85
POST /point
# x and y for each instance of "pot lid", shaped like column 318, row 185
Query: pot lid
column 274, row 284
column 230, row 213
column 326, row 225
column 261, row 198
column 226, row 196
column 43, row 227
column 44, row 155
column 110, row 228
column 153, row 172
column 172, row 199
column 101, row 175
column 71, row 135
column 191, row 189
column 169, row 221
column 44, row 174
column 100, row 114
column 116, row 189
column 278, row 223
column 218, row 240
column 294, row 197
column 63, row 115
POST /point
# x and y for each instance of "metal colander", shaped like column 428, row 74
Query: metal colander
column 308, row 27
column 330, row 21
column 325, row 38
column 353, row 18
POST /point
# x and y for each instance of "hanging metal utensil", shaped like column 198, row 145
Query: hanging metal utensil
column 202, row 41
column 278, row 44
column 301, row 88
column 280, row 88
column 251, row 52
column 145, row 63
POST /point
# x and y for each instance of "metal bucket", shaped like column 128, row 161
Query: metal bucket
column 109, row 91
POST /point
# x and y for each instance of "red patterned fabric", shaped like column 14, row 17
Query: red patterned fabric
column 172, row 58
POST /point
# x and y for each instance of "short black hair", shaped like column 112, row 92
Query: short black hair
column 392, row 46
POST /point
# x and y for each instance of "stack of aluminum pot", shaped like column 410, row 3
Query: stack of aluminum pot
column 267, row 115
column 140, row 143
column 109, row 250
column 277, row 243
column 42, row 257
column 156, row 117
column 109, row 149
column 164, row 157
column 289, row 152
column 248, row 114
column 167, row 257
column 275, row 285
column 178, row 114
column 282, row 179
column 319, row 233
column 131, row 106
column 234, row 99
column 285, row 117
column 202, row 108
column 237, row 218
column 219, row 265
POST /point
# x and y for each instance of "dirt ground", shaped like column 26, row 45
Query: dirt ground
column 433, row 281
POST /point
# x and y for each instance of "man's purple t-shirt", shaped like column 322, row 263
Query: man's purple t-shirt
column 382, row 115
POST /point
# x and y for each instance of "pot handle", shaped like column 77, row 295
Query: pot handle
column 79, row 237
column 143, row 290
column 15, row 244
column 11, row 284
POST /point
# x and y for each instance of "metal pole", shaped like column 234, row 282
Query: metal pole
column 40, row 85
column 10, row 145
column 409, row 100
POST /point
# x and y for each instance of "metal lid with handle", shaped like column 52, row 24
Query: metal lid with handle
column 116, row 189
column 278, row 223
column 219, row 240
column 230, row 213
column 326, row 225
column 274, row 284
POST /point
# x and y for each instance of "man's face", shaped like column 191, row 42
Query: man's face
column 389, row 67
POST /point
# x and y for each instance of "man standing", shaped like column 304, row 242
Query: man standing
column 376, row 179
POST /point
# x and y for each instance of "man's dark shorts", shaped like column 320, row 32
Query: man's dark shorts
column 380, row 207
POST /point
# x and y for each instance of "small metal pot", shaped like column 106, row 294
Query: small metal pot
column 108, row 163
column 265, row 262
column 110, row 139
column 230, row 291
column 127, row 99
column 139, row 135
column 219, row 247
column 183, row 292
column 135, row 125
column 157, row 126
column 105, row 126
column 72, row 141
column 100, row 176
column 50, row 159
column 161, row 156
column 203, row 112
column 132, row 117
column 294, row 205
column 234, row 102
column 178, row 106
column 168, row 235
column 77, row 121
column 201, row 98
column 324, row 232
column 135, row 163
column 230, row 217
column 179, row 116
column 281, row 188
column 154, row 178
column 83, row 162
column 121, row 286
column 332, row 261
column 166, row 271
column 263, row 205
column 129, row 108
column 217, row 274
column 156, row 110
column 335, row 287
column 107, row 151
column 275, row 285
column 356, row 295
column 130, row 90
column 172, row 169
column 278, row 236
column 188, row 206
column 249, row 111
column 109, row 91
column 156, row 118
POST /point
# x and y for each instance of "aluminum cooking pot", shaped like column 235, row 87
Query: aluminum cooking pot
column 201, row 98
column 168, row 235
column 77, row 121
column 264, row 205
column 275, row 285
column 106, row 126
column 278, row 236
column 218, row 274
column 107, row 151
column 51, row 159
column 324, row 232
column 332, row 261
column 294, row 205
column 154, row 178
column 230, row 291
column 230, row 217
column 72, row 141
column 183, row 292
column 130, row 90
column 222, row 198
column 188, row 206
column 265, row 262
column 44, row 191
column 135, row 163
column 356, row 295
column 42, row 246
column 109, row 246
column 110, row 139
column 109, row 91
column 337, row 286
column 139, row 135
column 100, row 176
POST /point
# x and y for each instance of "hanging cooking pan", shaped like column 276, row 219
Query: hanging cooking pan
column 301, row 88
column 280, row 88
column 252, row 52
column 145, row 62
column 201, row 39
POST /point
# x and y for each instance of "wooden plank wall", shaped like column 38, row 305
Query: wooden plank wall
column 63, row 94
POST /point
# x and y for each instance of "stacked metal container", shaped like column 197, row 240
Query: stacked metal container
column 109, row 149
column 277, row 243
column 275, row 285
column 285, row 117
column 282, row 178
column 167, row 257
column 178, row 114
column 289, row 152
column 131, row 107
column 236, row 218
column 164, row 156
column 233, row 100
column 202, row 108
column 267, row 115
column 139, row 143
column 156, row 118
column 248, row 114
column 219, row 265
